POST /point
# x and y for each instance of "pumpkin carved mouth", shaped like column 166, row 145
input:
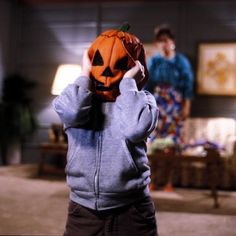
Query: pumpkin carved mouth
column 101, row 87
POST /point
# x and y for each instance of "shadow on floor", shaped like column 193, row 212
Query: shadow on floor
column 194, row 201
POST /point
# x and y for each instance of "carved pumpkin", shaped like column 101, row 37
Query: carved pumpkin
column 112, row 54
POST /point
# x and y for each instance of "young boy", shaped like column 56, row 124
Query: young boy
column 107, row 168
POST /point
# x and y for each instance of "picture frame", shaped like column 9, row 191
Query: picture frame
column 216, row 73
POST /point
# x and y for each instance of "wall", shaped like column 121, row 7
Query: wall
column 6, row 9
column 54, row 34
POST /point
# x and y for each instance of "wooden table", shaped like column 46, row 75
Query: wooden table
column 212, row 161
column 55, row 149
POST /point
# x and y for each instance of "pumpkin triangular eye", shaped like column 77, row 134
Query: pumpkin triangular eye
column 122, row 64
column 97, row 60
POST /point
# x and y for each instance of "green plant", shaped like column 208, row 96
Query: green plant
column 17, row 120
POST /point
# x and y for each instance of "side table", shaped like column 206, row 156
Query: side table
column 59, row 149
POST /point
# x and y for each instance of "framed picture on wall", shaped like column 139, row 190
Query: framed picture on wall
column 216, row 74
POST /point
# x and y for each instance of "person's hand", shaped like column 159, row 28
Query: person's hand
column 136, row 72
column 186, row 109
column 86, row 64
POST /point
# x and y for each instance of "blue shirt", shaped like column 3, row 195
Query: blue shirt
column 175, row 72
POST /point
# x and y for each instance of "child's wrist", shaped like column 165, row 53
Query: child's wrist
column 84, row 82
column 85, row 72
column 128, row 84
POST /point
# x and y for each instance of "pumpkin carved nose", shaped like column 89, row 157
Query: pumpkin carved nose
column 107, row 72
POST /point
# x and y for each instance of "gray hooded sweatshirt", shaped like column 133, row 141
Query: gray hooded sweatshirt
column 107, row 165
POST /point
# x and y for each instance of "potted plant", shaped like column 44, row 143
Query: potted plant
column 17, row 120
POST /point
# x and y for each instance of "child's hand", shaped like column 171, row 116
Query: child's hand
column 136, row 72
column 86, row 64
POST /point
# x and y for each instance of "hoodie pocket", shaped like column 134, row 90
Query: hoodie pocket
column 118, row 171
column 72, row 150
column 80, row 161
column 71, row 155
column 80, row 170
column 128, row 155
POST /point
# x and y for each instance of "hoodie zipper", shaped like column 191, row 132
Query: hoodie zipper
column 96, row 176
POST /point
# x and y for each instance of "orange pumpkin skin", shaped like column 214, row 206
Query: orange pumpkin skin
column 112, row 54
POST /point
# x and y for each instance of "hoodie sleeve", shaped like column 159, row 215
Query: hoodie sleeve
column 74, row 103
column 137, row 111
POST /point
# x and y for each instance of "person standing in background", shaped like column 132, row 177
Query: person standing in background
column 171, row 82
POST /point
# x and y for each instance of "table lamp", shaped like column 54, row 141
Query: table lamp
column 66, row 74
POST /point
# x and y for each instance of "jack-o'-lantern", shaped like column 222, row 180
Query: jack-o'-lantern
column 112, row 54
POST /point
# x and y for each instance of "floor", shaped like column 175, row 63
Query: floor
column 30, row 205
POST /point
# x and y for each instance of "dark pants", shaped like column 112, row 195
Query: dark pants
column 137, row 219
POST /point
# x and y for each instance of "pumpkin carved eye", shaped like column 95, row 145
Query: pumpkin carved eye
column 97, row 60
column 122, row 64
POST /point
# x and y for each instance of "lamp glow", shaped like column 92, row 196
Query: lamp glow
column 66, row 74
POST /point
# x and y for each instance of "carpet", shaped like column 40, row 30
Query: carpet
column 32, row 205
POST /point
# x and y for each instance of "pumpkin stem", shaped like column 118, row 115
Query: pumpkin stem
column 125, row 27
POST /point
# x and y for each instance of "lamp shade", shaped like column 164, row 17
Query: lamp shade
column 66, row 74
